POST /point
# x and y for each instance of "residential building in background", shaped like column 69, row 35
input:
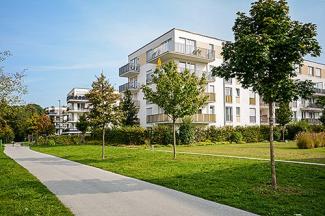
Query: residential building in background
column 307, row 110
column 58, row 116
column 77, row 105
column 228, row 103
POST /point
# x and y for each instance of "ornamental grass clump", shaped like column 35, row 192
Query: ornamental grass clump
column 306, row 140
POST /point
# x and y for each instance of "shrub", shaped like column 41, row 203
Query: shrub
column 305, row 141
column 51, row 142
column 235, row 137
column 200, row 134
column 319, row 139
column 295, row 128
column 162, row 134
column 126, row 135
column 186, row 132
column 250, row 133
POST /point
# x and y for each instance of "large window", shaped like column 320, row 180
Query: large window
column 228, row 91
column 238, row 114
column 187, row 45
column 228, row 114
column 149, row 74
column 252, row 115
column 310, row 71
column 212, row 111
column 149, row 111
column 318, row 72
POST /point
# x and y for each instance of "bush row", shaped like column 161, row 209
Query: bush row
column 307, row 140
column 186, row 134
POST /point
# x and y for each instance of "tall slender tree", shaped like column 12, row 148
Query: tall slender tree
column 268, row 46
column 104, row 110
column 129, row 110
column 83, row 125
column 179, row 94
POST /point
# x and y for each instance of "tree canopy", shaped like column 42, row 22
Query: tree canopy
column 129, row 110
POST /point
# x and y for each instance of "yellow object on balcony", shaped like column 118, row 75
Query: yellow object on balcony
column 211, row 97
column 252, row 101
column 228, row 99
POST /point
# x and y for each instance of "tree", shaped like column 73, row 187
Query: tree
column 104, row 110
column 129, row 110
column 40, row 125
column 268, row 45
column 283, row 116
column 82, row 125
column 179, row 94
column 11, row 84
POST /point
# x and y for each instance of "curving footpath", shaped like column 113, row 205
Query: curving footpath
column 91, row 191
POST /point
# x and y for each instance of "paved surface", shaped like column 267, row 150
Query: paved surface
column 243, row 157
column 91, row 191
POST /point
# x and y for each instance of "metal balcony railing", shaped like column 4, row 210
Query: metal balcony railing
column 72, row 97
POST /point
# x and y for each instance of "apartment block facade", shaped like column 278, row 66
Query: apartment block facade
column 228, row 104
column 58, row 116
column 77, row 105
column 306, row 110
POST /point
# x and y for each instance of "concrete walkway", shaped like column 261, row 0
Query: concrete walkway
column 91, row 191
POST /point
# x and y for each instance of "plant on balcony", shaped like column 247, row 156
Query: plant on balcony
column 129, row 110
column 267, row 46
column 104, row 111
column 283, row 116
column 179, row 94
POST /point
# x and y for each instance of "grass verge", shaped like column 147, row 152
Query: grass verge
column 239, row 183
column 22, row 194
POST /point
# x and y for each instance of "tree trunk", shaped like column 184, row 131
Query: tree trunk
column 272, row 156
column 174, row 139
column 103, row 144
column 283, row 131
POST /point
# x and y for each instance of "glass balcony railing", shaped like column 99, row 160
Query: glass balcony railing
column 130, row 67
column 129, row 86
column 181, row 48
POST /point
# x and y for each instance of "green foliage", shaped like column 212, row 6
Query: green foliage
column 283, row 114
column 6, row 134
column 250, row 134
column 200, row 134
column 58, row 140
column 179, row 94
column 235, row 137
column 219, row 134
column 308, row 140
column 83, row 124
column 186, row 131
column 162, row 134
column 129, row 110
column 295, row 128
column 126, row 135
column 104, row 109
column 51, row 142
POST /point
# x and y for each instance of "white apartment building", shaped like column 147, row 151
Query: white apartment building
column 307, row 110
column 228, row 104
column 58, row 116
column 77, row 105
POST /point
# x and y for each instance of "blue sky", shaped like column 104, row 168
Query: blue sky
column 65, row 43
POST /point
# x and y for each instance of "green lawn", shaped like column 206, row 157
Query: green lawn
column 22, row 194
column 240, row 183
column 284, row 151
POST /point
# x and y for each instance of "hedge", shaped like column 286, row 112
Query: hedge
column 163, row 135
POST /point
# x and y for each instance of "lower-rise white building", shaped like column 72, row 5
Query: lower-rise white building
column 58, row 116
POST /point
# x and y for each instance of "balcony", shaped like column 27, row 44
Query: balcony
column 312, row 107
column 318, row 91
column 252, row 101
column 264, row 119
column 211, row 97
column 196, row 118
column 132, row 86
column 76, row 98
column 312, row 121
column 208, row 75
column 129, row 70
column 181, row 51
column 228, row 99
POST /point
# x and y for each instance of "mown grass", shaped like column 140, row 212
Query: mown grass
column 22, row 194
column 284, row 151
column 240, row 183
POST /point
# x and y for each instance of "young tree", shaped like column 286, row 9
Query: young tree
column 40, row 125
column 283, row 116
column 268, row 45
column 129, row 110
column 82, row 125
column 179, row 94
column 11, row 84
column 104, row 111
